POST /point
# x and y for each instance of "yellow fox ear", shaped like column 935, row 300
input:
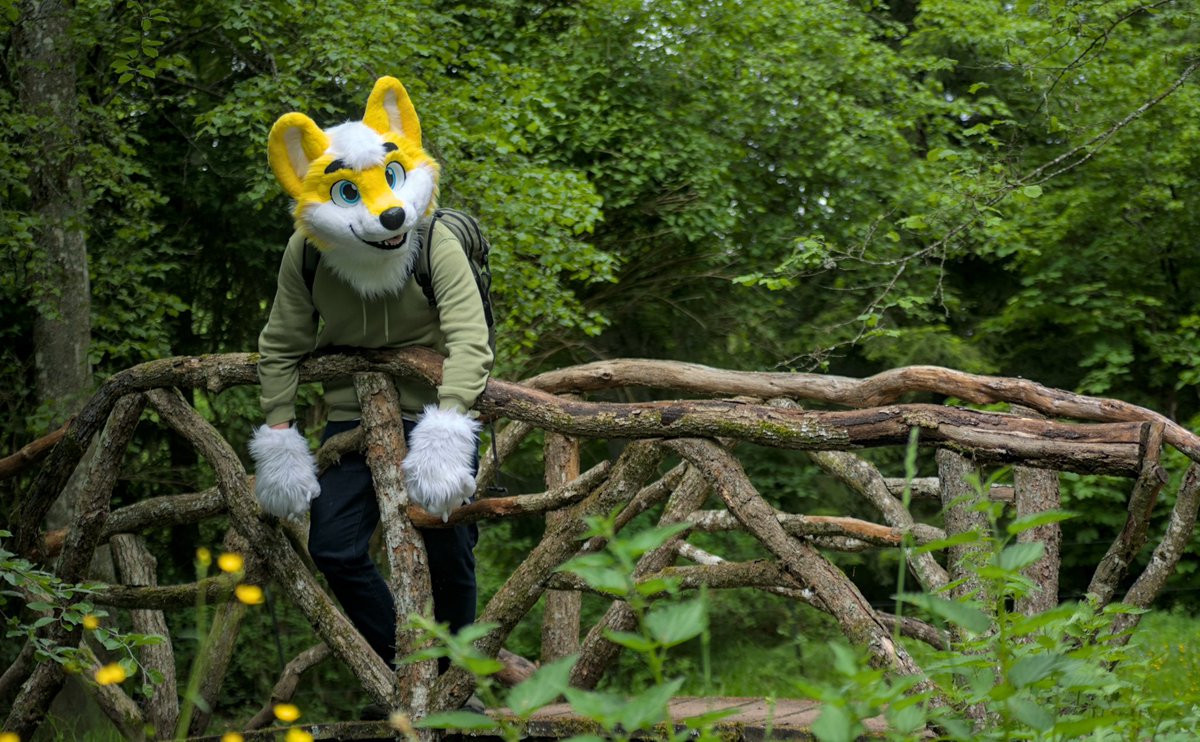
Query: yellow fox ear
column 390, row 110
column 294, row 142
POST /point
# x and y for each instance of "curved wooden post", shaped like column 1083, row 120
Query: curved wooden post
column 560, row 624
column 409, row 563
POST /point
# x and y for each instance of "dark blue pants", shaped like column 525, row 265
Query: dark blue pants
column 342, row 521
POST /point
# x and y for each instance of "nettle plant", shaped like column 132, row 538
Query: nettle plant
column 1063, row 674
column 663, row 621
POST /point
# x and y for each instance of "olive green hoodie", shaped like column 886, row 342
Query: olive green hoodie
column 456, row 329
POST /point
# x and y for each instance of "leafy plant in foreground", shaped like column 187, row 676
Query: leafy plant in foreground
column 660, row 625
column 32, row 600
column 1058, row 675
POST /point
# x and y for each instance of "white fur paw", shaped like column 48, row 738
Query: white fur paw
column 286, row 480
column 437, row 469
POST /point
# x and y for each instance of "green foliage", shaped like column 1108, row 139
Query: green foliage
column 1061, row 674
column 835, row 186
column 661, row 625
column 34, row 602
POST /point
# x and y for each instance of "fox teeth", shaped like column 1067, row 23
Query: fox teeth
column 394, row 240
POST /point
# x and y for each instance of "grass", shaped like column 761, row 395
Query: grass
column 1171, row 643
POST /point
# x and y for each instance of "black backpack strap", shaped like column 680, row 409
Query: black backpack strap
column 424, row 268
column 312, row 258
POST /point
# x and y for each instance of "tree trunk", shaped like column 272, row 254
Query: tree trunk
column 62, row 295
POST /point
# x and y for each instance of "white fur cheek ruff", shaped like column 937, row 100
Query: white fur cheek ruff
column 373, row 273
column 437, row 470
column 286, row 480
column 417, row 192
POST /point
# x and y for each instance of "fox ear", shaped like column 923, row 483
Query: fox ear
column 390, row 110
column 294, row 142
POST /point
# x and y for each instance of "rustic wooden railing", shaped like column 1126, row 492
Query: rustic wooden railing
column 1048, row 431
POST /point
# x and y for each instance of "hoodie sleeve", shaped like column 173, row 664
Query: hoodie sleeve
column 460, row 309
column 289, row 335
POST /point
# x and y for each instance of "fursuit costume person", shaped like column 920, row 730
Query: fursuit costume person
column 360, row 189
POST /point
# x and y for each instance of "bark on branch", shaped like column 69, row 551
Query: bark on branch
column 514, row 599
column 275, row 551
column 289, row 679
column 218, row 372
column 881, row 389
column 842, row 598
column 409, row 573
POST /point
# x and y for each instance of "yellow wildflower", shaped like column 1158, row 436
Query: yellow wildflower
column 230, row 562
column 286, row 712
column 110, row 674
column 203, row 557
column 232, row 737
column 90, row 622
column 249, row 594
column 297, row 735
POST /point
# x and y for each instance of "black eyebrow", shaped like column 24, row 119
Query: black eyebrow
column 336, row 165
column 390, row 146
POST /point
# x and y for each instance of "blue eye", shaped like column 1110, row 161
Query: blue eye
column 395, row 176
column 345, row 193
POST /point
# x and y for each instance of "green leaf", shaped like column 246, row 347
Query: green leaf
column 1029, row 670
column 652, row 538
column 428, row 653
column 457, row 720
column 598, row 571
column 959, row 613
column 108, row 641
column 542, row 687
column 1031, row 191
column 1078, row 728
column 650, row 706
column 636, row 642
column 1028, row 522
column 834, row 724
column 482, row 666
column 967, row 537
column 676, row 623
column 1019, row 556
column 1030, row 714
column 604, row 708
column 845, row 661
column 907, row 718
column 475, row 631
column 656, row 586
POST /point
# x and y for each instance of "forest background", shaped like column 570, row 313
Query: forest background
column 1005, row 188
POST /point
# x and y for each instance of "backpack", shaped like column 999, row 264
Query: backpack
column 466, row 230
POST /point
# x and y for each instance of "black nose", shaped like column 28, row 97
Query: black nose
column 393, row 218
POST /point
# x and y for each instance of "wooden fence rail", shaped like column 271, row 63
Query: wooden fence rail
column 1047, row 431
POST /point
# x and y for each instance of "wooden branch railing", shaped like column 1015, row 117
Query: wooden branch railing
column 1078, row 434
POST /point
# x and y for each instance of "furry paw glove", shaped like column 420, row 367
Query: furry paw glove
column 286, row 480
column 441, row 454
